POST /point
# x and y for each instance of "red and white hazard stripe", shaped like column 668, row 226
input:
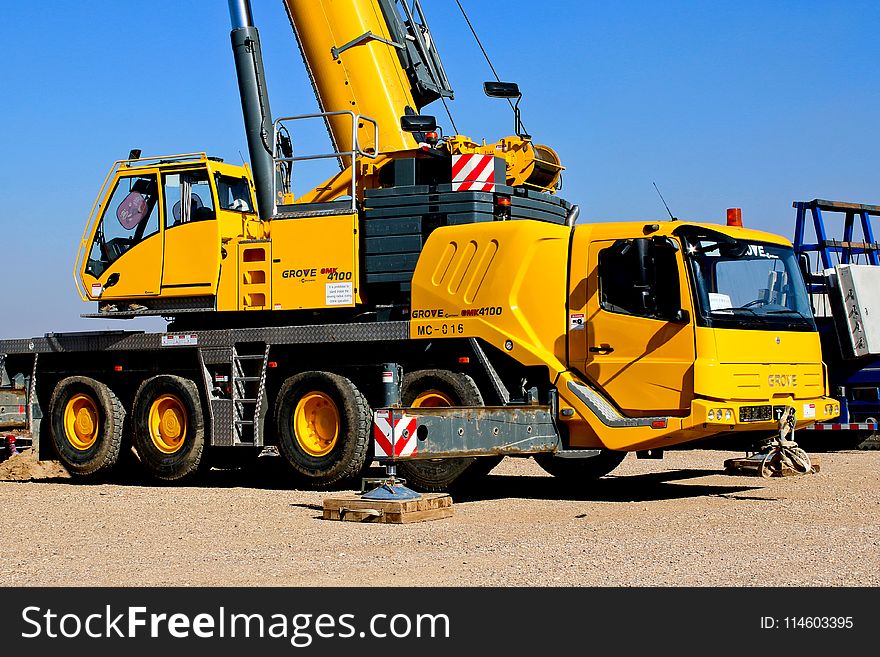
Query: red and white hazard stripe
column 394, row 437
column 825, row 426
column 473, row 172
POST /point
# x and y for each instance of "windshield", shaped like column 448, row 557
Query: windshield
column 741, row 284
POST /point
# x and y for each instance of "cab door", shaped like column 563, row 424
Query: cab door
column 191, row 262
column 125, row 258
column 640, row 343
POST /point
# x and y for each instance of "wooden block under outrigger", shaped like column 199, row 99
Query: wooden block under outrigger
column 353, row 508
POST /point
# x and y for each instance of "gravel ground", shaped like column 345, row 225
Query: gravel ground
column 675, row 522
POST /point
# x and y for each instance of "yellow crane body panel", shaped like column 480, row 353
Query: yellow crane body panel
column 315, row 262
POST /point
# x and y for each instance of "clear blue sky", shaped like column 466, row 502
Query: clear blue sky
column 751, row 104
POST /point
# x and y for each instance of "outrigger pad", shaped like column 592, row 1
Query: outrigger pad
column 352, row 507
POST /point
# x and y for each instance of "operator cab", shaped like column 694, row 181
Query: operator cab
column 160, row 231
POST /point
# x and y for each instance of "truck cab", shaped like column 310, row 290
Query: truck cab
column 654, row 334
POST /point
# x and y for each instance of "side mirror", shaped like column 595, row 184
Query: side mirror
column 501, row 89
column 809, row 277
column 647, row 274
column 680, row 316
column 509, row 90
column 418, row 123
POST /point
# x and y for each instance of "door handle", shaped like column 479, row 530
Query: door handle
column 602, row 349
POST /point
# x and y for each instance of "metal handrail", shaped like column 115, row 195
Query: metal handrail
column 355, row 152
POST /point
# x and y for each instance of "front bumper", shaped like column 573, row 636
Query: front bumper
column 760, row 415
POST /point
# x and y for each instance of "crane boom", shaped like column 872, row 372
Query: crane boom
column 373, row 57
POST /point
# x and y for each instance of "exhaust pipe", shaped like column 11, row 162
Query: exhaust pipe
column 572, row 216
column 254, row 102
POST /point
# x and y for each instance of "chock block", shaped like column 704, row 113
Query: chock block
column 351, row 507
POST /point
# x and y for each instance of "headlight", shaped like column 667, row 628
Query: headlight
column 720, row 415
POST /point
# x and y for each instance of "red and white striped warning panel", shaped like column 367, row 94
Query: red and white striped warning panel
column 473, row 173
column 863, row 426
column 394, row 436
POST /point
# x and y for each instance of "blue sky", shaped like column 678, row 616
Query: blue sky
column 747, row 104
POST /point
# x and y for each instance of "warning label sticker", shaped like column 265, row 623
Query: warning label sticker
column 809, row 410
column 576, row 322
column 180, row 340
column 338, row 294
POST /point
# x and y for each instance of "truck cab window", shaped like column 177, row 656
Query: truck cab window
column 628, row 286
column 130, row 216
column 188, row 198
column 234, row 194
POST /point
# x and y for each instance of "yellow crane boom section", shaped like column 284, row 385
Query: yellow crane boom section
column 365, row 78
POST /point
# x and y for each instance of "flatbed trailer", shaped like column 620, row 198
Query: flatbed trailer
column 840, row 258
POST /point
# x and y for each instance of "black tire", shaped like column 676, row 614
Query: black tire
column 176, row 456
column 90, row 407
column 346, row 451
column 576, row 471
column 437, row 475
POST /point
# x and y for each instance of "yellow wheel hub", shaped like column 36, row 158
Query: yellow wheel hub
column 432, row 399
column 167, row 422
column 316, row 423
column 81, row 422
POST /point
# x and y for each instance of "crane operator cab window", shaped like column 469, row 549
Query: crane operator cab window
column 189, row 198
column 234, row 194
column 130, row 216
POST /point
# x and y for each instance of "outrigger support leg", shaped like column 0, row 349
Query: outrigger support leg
column 390, row 488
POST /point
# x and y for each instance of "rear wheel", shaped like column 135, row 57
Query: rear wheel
column 86, row 421
column 322, row 422
column 577, row 471
column 441, row 389
column 169, row 427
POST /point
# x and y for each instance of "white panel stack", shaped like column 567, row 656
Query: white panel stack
column 859, row 290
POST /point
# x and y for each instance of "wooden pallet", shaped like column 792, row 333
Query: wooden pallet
column 431, row 506
column 751, row 466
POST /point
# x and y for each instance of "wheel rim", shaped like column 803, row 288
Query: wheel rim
column 81, row 422
column 168, row 424
column 316, row 423
column 432, row 399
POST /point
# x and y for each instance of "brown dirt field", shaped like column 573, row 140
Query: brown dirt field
column 25, row 467
column 675, row 522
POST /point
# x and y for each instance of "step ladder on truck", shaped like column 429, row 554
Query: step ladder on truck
column 843, row 278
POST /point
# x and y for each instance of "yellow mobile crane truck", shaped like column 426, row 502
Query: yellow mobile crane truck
column 437, row 274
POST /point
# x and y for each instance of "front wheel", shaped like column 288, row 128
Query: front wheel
column 441, row 389
column 322, row 422
column 577, row 471
column 169, row 427
column 86, row 421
